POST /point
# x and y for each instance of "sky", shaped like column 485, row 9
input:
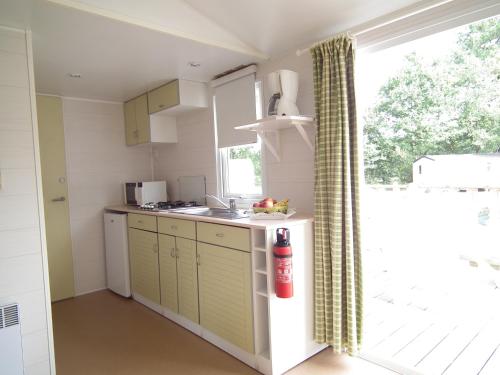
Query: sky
column 373, row 69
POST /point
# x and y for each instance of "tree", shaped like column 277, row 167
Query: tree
column 449, row 106
column 249, row 152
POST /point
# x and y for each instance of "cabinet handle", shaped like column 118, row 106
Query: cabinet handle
column 173, row 227
column 172, row 252
column 198, row 260
column 220, row 235
column 177, row 252
column 155, row 248
column 139, row 221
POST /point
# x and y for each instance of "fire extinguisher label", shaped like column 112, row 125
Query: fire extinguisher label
column 283, row 270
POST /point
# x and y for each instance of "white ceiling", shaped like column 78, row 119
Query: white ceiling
column 122, row 48
column 278, row 26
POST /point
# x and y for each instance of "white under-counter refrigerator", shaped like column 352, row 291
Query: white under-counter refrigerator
column 117, row 260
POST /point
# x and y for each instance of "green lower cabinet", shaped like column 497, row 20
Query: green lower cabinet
column 225, row 294
column 179, row 276
column 187, row 279
column 168, row 272
column 145, row 278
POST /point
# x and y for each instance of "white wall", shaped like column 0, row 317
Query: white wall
column 98, row 163
column 23, row 270
column 293, row 177
column 194, row 154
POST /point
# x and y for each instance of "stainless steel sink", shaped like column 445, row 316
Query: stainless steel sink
column 221, row 213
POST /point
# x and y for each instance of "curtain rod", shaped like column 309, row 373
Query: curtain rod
column 364, row 28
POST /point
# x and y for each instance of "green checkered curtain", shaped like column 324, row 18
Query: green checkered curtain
column 337, row 248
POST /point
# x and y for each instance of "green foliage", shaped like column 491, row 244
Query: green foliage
column 450, row 106
column 249, row 152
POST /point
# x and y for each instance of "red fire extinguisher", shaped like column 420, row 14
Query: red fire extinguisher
column 283, row 272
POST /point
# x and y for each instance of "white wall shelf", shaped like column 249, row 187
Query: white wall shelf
column 273, row 124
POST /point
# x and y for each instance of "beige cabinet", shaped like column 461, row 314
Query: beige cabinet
column 179, row 275
column 224, row 235
column 225, row 294
column 168, row 272
column 144, row 222
column 137, row 127
column 178, row 97
column 164, row 97
column 144, row 263
column 187, row 278
column 177, row 227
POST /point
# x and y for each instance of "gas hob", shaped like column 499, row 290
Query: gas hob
column 167, row 206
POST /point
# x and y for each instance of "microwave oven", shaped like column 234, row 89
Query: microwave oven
column 139, row 193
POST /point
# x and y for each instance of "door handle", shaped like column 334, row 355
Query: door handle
column 59, row 199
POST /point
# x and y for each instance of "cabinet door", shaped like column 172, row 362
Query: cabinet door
column 163, row 97
column 130, row 123
column 142, row 119
column 187, row 278
column 144, row 267
column 168, row 272
column 226, row 294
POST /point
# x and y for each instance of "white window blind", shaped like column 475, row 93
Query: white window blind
column 234, row 106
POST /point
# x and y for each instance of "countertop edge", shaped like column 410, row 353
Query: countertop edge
column 246, row 222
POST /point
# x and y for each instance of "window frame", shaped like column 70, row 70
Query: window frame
column 223, row 165
column 221, row 159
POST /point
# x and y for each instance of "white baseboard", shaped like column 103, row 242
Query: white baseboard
column 182, row 321
column 257, row 362
column 243, row 356
column 146, row 302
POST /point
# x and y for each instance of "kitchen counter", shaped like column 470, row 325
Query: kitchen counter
column 246, row 222
column 218, row 282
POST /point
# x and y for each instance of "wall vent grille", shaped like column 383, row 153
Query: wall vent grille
column 9, row 316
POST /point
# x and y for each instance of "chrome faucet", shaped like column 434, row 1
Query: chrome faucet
column 232, row 204
column 219, row 201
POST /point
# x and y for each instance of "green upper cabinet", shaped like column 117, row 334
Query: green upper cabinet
column 178, row 97
column 130, row 123
column 137, row 127
column 142, row 119
column 151, row 117
column 225, row 293
column 164, row 97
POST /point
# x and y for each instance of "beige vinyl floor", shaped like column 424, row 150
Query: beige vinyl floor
column 103, row 333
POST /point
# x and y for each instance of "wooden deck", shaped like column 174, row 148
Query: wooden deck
column 438, row 333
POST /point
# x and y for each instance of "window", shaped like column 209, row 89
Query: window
column 242, row 171
column 240, row 166
column 432, row 101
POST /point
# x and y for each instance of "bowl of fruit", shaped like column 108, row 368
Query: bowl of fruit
column 269, row 208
